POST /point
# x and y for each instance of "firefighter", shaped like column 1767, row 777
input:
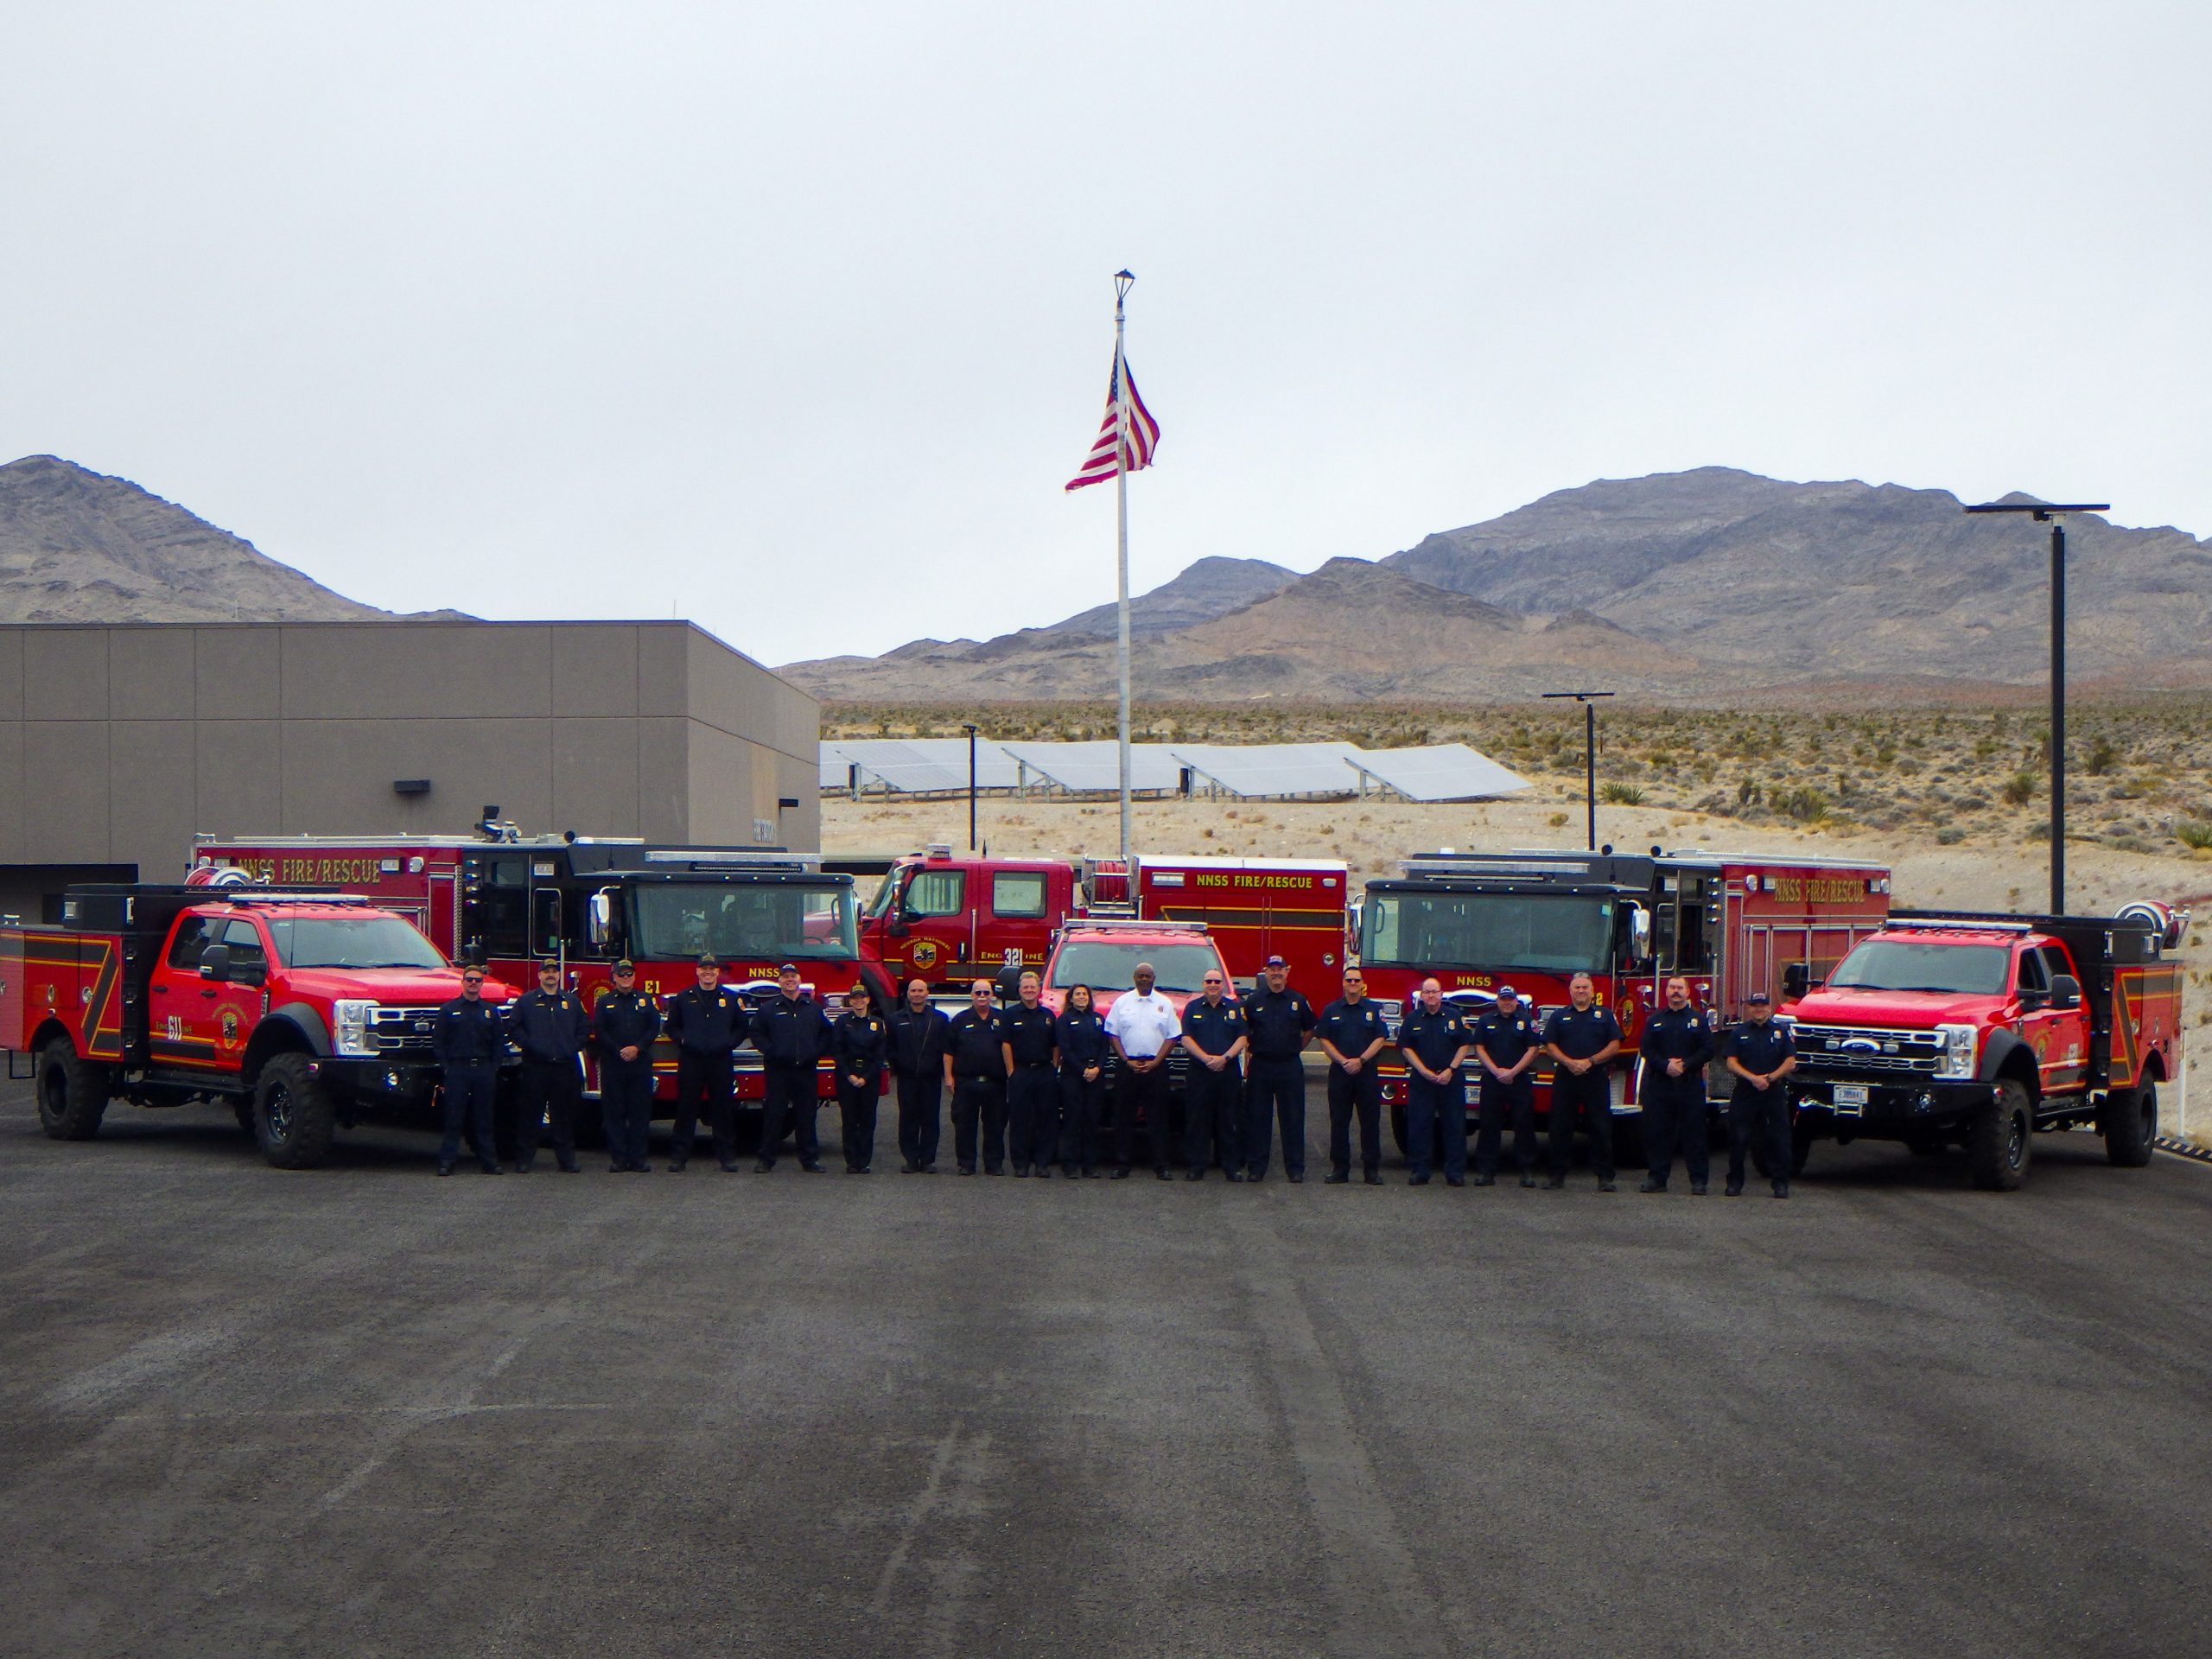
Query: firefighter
column 1434, row 1040
column 1676, row 1043
column 624, row 1023
column 550, row 1027
column 468, row 1039
column 792, row 1034
column 974, row 1076
column 1352, row 1034
column 858, row 1043
column 1032, row 1104
column 917, row 1032
column 1760, row 1053
column 1142, row 1026
column 1216, row 1037
column 706, row 1021
column 1506, row 1046
column 1079, row 1035
column 1582, row 1039
column 1278, row 1021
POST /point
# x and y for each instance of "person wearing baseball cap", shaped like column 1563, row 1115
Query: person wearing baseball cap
column 1759, row 1052
column 792, row 1034
column 1506, row 1044
column 706, row 1021
column 551, row 1026
column 1279, row 1021
column 624, row 1023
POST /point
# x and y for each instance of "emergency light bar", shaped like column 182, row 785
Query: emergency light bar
column 1905, row 919
column 267, row 896
column 1432, row 864
column 704, row 858
column 1110, row 924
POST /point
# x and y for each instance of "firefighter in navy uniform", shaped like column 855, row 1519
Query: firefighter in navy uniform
column 706, row 1021
column 550, row 1027
column 858, row 1044
column 974, row 1075
column 1582, row 1038
column 917, row 1032
column 1278, row 1021
column 1506, row 1046
column 1032, row 1089
column 1760, row 1053
column 1434, row 1040
column 792, row 1034
column 1216, row 1035
column 624, row 1023
column 1676, row 1043
column 1079, row 1035
column 1352, row 1034
column 468, row 1039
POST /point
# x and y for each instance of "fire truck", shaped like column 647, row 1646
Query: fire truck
column 1961, row 1028
column 950, row 920
column 510, row 901
column 307, row 1012
column 1730, row 924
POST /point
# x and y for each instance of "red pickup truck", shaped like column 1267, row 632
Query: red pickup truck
column 305, row 1011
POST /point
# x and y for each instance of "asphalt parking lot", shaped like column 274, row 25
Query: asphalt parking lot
column 366, row 1411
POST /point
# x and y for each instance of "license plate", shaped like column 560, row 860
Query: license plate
column 1850, row 1096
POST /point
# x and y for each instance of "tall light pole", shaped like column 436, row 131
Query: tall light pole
column 2046, row 512
column 969, row 727
column 1123, row 281
column 1588, row 700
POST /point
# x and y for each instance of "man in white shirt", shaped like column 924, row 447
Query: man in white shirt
column 1144, row 1029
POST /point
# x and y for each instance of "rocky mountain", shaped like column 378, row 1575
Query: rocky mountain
column 1678, row 585
column 78, row 546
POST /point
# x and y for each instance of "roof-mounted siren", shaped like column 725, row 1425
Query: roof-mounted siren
column 218, row 875
column 2168, row 923
column 495, row 828
column 938, row 852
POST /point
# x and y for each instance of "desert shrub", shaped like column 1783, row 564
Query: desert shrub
column 1950, row 835
column 1805, row 803
column 2193, row 832
column 1620, row 794
column 2019, row 789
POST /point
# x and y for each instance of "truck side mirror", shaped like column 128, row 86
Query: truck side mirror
column 899, row 926
column 2065, row 991
column 1639, row 931
column 1797, row 980
column 599, row 922
column 1008, row 984
column 215, row 962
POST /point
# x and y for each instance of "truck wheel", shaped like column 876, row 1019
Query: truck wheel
column 1998, row 1143
column 71, row 1092
column 2130, row 1122
column 293, row 1116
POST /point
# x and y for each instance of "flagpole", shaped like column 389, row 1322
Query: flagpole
column 1123, row 282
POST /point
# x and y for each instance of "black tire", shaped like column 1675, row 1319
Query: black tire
column 294, row 1117
column 2130, row 1124
column 73, row 1092
column 1998, row 1142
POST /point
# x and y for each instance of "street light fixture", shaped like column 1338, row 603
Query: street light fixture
column 1588, row 700
column 2047, row 513
column 970, row 729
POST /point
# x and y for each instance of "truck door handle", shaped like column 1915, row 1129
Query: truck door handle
column 210, row 996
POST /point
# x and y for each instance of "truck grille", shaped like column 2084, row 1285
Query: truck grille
column 405, row 1031
column 1866, row 1048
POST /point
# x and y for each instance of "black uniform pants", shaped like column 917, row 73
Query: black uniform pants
column 790, row 1101
column 547, row 1092
column 1213, row 1115
column 1759, row 1118
column 979, row 1111
column 1033, row 1115
column 704, row 1079
column 1433, row 1110
column 1514, row 1101
column 856, row 1106
column 1274, row 1094
column 1079, row 1106
column 1573, row 1097
column 625, row 1109
column 468, row 1101
column 1140, row 1094
column 921, row 1114
column 1350, row 1092
column 1674, row 1119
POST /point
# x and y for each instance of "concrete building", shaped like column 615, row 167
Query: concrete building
column 118, row 742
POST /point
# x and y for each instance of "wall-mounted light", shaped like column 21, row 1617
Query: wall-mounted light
column 410, row 786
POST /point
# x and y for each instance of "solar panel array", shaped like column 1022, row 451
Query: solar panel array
column 1441, row 771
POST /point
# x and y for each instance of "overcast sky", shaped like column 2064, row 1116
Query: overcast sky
column 794, row 319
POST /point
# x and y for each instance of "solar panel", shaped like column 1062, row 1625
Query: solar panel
column 920, row 764
column 1441, row 772
column 1259, row 769
column 1096, row 768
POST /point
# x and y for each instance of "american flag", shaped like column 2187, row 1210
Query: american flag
column 1143, row 436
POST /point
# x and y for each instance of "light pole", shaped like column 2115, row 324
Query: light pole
column 2046, row 512
column 970, row 729
column 1588, row 700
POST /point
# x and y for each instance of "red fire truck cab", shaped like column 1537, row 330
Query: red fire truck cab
column 1730, row 924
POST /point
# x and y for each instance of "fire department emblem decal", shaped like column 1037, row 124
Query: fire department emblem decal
column 230, row 1028
column 925, row 954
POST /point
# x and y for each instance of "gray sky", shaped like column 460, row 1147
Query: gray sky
column 796, row 318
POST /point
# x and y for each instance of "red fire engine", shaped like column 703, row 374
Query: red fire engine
column 510, row 901
column 1730, row 924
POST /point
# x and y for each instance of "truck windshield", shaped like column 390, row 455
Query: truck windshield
column 1560, row 933
column 1923, row 965
column 1107, row 965
column 351, row 942
column 766, row 921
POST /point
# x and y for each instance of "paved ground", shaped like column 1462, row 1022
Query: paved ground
column 365, row 1411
